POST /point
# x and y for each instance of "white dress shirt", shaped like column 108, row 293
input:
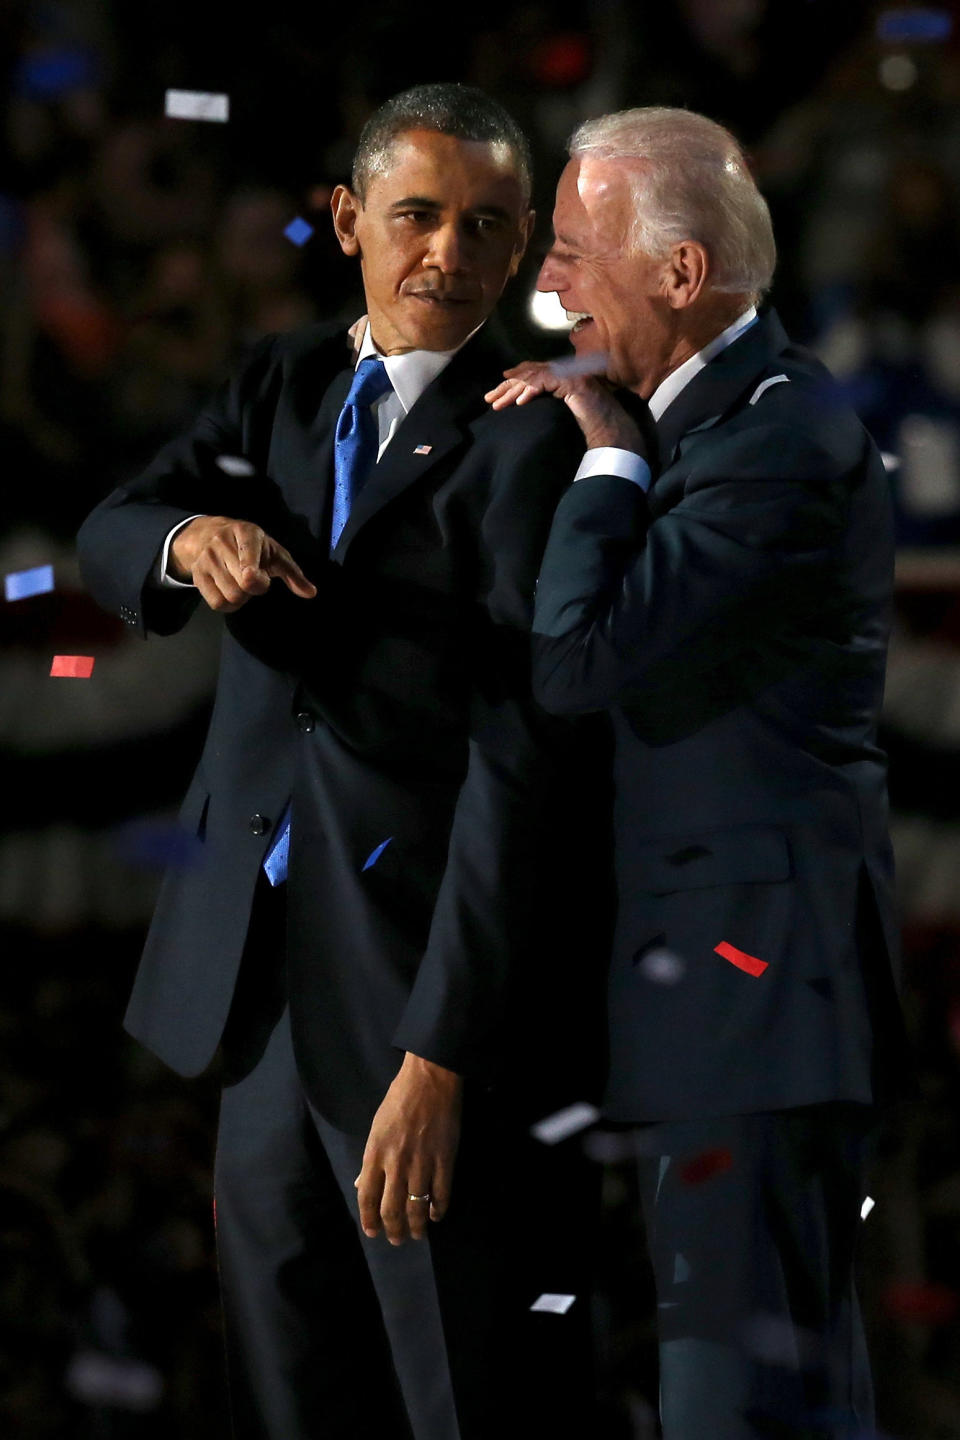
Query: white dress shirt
column 609, row 460
column 409, row 374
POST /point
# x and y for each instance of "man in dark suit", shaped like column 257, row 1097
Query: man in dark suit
column 719, row 579
column 378, row 787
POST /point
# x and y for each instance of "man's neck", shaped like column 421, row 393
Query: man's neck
column 695, row 331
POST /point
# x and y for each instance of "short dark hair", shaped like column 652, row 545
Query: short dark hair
column 462, row 111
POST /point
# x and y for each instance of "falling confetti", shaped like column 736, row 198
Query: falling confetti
column 155, row 845
column 569, row 365
column 749, row 963
column 866, row 1207
column 919, row 26
column 374, row 855
column 553, row 1304
column 662, row 966
column 197, row 105
column 927, row 1304
column 234, row 465
column 564, row 1123
column 706, row 1166
column 298, row 232
column 73, row 667
column 21, row 584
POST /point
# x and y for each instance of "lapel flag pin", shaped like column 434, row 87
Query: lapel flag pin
column 422, row 449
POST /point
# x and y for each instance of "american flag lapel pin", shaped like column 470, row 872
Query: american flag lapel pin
column 422, row 449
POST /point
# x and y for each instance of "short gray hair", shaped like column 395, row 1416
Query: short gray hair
column 690, row 181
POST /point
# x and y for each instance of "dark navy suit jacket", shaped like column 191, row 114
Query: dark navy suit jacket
column 734, row 621
column 396, row 706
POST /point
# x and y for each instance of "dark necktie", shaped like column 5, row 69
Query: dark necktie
column 354, row 456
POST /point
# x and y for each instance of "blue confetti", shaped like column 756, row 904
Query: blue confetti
column 21, row 584
column 47, row 74
column 374, row 855
column 298, row 231
column 916, row 26
column 155, row 845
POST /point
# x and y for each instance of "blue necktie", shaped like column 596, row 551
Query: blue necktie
column 355, row 453
column 357, row 442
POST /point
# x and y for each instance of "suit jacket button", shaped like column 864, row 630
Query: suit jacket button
column 259, row 824
column 305, row 721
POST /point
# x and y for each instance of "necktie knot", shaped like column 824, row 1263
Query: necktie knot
column 370, row 381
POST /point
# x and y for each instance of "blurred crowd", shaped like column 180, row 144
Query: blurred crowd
column 139, row 257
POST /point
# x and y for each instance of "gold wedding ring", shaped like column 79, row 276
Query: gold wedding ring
column 419, row 1197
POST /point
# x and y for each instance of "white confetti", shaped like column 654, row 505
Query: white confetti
column 234, row 465
column 553, row 1304
column 595, row 363
column 662, row 966
column 197, row 105
column 891, row 462
column 554, row 1128
column 866, row 1207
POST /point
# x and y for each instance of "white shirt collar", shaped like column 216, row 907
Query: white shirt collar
column 409, row 374
column 668, row 390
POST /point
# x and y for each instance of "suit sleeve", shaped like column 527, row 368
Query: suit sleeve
column 484, row 929
column 120, row 541
column 628, row 609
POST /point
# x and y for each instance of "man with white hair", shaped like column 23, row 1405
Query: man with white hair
column 719, row 579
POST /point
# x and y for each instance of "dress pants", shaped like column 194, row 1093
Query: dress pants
column 751, row 1226
column 331, row 1334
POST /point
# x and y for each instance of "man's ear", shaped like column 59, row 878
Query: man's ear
column 345, row 207
column 524, row 236
column 685, row 274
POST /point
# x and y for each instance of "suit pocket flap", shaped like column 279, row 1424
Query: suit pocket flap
column 717, row 857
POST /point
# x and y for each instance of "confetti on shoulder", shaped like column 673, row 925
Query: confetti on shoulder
column 234, row 465
column 553, row 1304
column 21, row 584
column 554, row 1128
column 72, row 667
column 197, row 105
column 298, row 232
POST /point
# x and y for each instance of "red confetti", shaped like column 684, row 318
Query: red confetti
column 921, row 1302
column 76, row 667
column 740, row 958
column 706, row 1166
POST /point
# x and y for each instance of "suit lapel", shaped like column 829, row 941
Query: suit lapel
column 319, row 385
column 720, row 384
column 433, row 430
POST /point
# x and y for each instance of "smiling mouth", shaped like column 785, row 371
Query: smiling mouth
column 578, row 319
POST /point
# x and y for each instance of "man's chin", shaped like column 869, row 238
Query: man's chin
column 440, row 326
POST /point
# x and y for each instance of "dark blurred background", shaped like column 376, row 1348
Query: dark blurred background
column 139, row 256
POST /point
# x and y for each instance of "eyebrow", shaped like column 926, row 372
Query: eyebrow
column 424, row 202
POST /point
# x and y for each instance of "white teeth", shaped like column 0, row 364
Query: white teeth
column 575, row 316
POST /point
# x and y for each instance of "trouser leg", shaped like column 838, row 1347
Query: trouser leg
column 752, row 1222
column 473, row 1361
column 306, row 1349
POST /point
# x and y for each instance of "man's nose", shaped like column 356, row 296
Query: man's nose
column 446, row 251
column 551, row 275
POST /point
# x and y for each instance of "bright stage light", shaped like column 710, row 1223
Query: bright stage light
column 545, row 311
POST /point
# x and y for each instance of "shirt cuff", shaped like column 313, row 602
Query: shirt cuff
column 608, row 460
column 160, row 575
